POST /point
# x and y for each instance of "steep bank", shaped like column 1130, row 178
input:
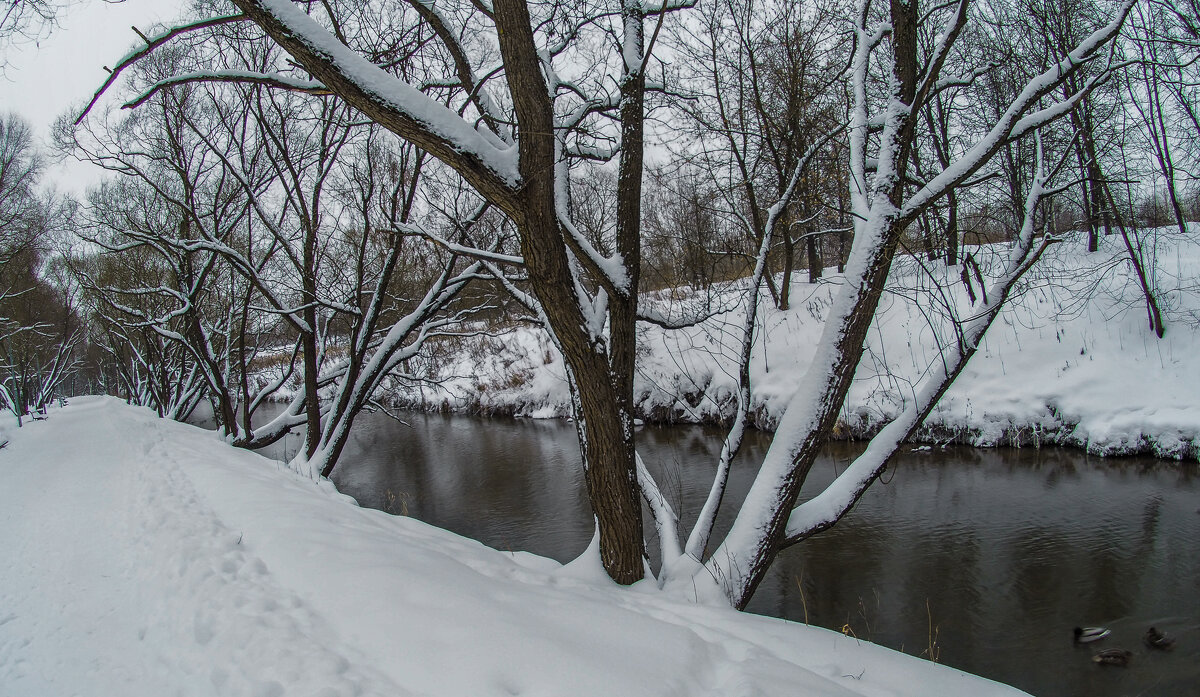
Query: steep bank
column 1070, row 361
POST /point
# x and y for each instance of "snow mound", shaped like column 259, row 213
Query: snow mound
column 145, row 557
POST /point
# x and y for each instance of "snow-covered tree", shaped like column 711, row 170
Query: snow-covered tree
column 894, row 74
column 38, row 327
column 534, row 90
column 301, row 219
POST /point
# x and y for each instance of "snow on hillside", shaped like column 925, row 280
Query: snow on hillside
column 1070, row 361
column 145, row 557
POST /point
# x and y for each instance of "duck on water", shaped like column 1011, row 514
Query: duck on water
column 1086, row 635
column 1157, row 640
column 1113, row 657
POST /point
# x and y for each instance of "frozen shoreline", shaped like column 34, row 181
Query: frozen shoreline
column 1069, row 362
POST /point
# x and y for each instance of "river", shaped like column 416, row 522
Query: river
column 985, row 559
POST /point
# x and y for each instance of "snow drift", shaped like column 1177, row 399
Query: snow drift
column 146, row 557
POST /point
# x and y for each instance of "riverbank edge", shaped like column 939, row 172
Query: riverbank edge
column 1069, row 362
column 1052, row 431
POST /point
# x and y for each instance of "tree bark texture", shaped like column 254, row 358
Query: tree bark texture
column 602, row 373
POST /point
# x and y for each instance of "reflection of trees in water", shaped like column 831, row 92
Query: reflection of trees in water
column 1151, row 513
column 1011, row 548
column 1052, row 571
column 836, row 569
column 510, row 484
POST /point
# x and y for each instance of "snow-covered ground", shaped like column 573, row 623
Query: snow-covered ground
column 1070, row 361
column 145, row 557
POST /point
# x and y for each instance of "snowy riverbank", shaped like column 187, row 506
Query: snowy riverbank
column 1070, row 361
column 145, row 557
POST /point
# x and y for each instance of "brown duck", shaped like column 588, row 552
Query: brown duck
column 1157, row 640
column 1113, row 657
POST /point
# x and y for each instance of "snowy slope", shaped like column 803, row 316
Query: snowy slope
column 1069, row 361
column 144, row 557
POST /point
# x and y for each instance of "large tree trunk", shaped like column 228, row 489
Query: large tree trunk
column 626, row 506
column 601, row 374
column 312, row 405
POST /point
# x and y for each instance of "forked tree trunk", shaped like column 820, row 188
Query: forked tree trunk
column 846, row 353
column 761, row 538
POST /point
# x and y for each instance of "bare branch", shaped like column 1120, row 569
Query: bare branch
column 151, row 44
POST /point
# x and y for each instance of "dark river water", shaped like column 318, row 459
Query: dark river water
column 985, row 558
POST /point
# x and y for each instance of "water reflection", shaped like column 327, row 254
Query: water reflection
column 983, row 558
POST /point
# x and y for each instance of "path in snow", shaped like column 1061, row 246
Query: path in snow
column 126, row 583
column 146, row 557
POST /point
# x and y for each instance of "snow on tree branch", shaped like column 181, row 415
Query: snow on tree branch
column 151, row 44
column 489, row 162
column 276, row 81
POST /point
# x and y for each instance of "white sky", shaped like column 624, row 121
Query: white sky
column 43, row 80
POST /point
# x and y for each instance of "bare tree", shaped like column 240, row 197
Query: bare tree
column 685, row 238
column 516, row 148
column 1148, row 84
column 38, row 327
column 884, row 133
column 144, row 366
column 25, row 18
column 23, row 210
column 39, row 335
column 388, row 328
column 762, row 79
column 300, row 209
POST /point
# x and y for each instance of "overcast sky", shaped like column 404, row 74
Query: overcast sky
column 43, row 80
